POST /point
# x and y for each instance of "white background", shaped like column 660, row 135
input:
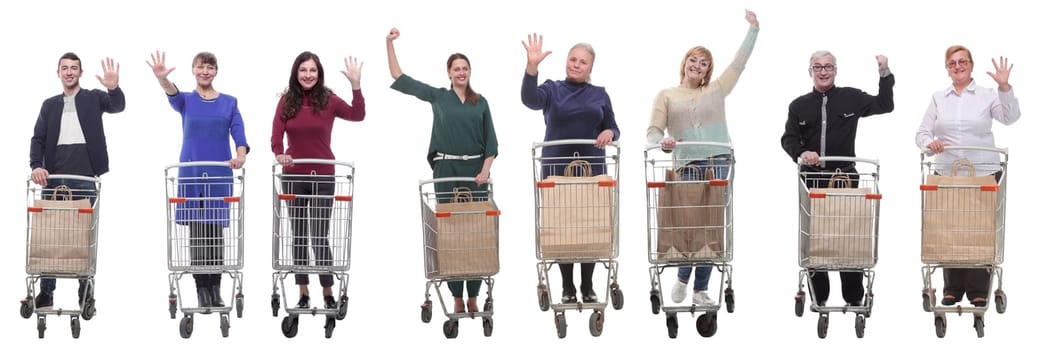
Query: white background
column 639, row 46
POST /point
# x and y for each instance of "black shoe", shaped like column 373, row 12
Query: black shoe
column 949, row 300
column 589, row 297
column 215, row 299
column 855, row 303
column 204, row 297
column 979, row 302
column 568, row 298
column 330, row 302
column 305, row 302
column 44, row 300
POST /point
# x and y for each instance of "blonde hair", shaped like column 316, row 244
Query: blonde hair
column 698, row 51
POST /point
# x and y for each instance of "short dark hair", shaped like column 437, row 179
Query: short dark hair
column 70, row 56
column 205, row 57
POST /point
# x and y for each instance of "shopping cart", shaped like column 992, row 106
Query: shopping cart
column 690, row 223
column 61, row 243
column 204, row 236
column 838, row 231
column 963, row 226
column 460, row 243
column 312, row 213
column 576, row 221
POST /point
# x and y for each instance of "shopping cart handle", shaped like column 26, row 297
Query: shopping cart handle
column 452, row 179
column 693, row 143
column 842, row 159
column 194, row 164
column 319, row 161
column 569, row 142
column 927, row 151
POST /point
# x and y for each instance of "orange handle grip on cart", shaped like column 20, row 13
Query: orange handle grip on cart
column 718, row 182
column 818, row 194
column 607, row 183
column 492, row 212
column 989, row 188
column 232, row 199
column 286, row 197
column 344, row 198
column 656, row 185
column 443, row 214
column 545, row 184
column 929, row 187
column 35, row 210
column 178, row 200
column 86, row 210
column 875, row 196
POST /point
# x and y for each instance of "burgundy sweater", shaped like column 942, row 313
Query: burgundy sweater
column 309, row 133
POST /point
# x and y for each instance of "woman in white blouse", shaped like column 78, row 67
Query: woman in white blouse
column 961, row 115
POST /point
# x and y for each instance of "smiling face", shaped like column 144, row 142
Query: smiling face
column 959, row 66
column 579, row 64
column 459, row 72
column 307, row 74
column 823, row 70
column 69, row 72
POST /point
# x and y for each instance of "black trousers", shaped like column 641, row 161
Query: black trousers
column 207, row 248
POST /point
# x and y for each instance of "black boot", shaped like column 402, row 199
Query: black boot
column 215, row 299
column 204, row 297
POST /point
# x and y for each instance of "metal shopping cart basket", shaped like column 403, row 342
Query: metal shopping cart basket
column 963, row 224
column 62, row 243
column 576, row 221
column 838, row 231
column 312, row 235
column 204, row 234
column 460, row 243
column 690, row 224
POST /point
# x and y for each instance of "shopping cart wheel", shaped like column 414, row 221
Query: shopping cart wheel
column 1000, row 301
column 451, row 329
column 928, row 301
column 425, row 312
column 275, row 304
column 88, row 309
column 225, row 325
column 800, row 303
column 41, row 325
column 330, row 324
column 239, row 304
column 728, row 297
column 617, row 298
column 289, row 326
column 487, row 324
column 75, row 328
column 978, row 324
column 561, row 323
column 187, row 325
column 27, row 308
column 859, row 325
column 672, row 324
column 173, row 306
column 822, row 325
column 941, row 326
column 543, row 298
column 655, row 302
column 341, row 311
column 596, row 323
column 706, row 324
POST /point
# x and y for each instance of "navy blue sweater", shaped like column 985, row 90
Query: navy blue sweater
column 90, row 105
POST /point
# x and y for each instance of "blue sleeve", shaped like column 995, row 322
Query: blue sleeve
column 609, row 122
column 238, row 128
column 533, row 97
column 177, row 101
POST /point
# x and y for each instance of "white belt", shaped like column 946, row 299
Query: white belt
column 442, row 156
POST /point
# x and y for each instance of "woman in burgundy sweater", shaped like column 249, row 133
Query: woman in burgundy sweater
column 305, row 116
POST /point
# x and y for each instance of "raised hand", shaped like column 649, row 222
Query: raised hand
column 752, row 20
column 158, row 65
column 110, row 74
column 394, row 34
column 883, row 62
column 535, row 53
column 1001, row 73
column 353, row 71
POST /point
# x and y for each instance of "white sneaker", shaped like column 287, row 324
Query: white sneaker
column 701, row 298
column 679, row 292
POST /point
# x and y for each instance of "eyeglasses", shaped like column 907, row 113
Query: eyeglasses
column 826, row 68
column 962, row 62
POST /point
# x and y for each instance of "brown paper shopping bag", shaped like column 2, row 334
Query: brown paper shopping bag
column 690, row 218
column 841, row 232
column 576, row 214
column 467, row 236
column 60, row 234
column 959, row 217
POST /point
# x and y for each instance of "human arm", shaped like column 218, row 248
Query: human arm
column 238, row 135
column 608, row 128
column 532, row 96
column 161, row 71
column 728, row 78
column 1006, row 110
column 392, row 57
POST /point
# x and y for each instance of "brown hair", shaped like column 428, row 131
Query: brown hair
column 471, row 96
column 293, row 97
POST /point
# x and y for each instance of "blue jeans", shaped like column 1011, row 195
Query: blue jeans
column 80, row 189
column 720, row 166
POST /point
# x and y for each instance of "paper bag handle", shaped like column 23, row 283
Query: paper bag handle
column 462, row 195
column 583, row 165
column 62, row 188
column 840, row 176
column 963, row 164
